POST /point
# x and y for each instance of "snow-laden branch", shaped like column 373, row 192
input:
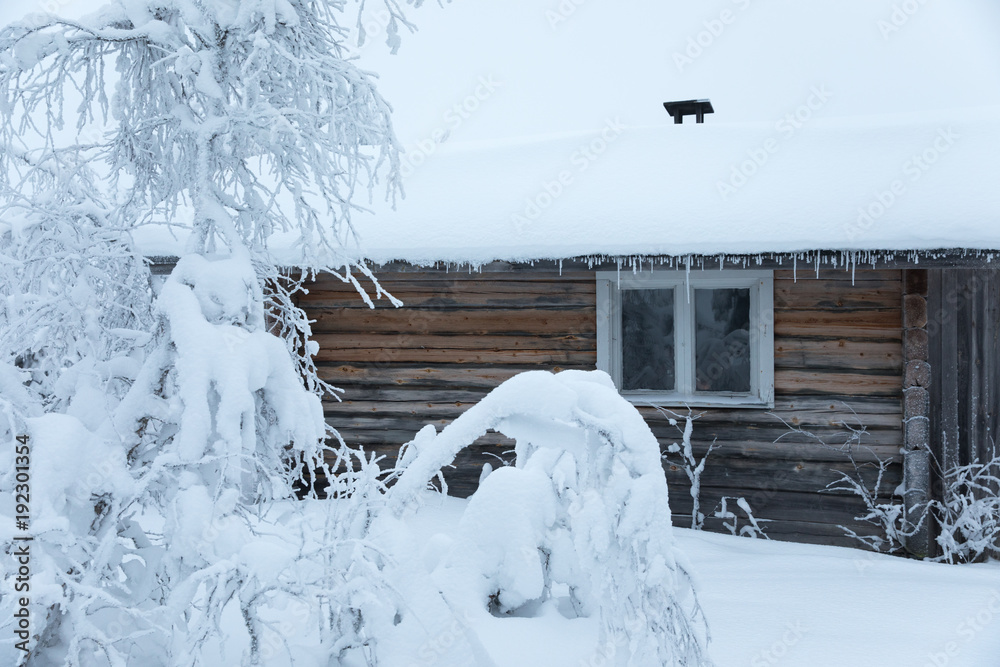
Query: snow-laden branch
column 585, row 506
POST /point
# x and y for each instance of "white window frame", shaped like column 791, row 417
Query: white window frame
column 609, row 334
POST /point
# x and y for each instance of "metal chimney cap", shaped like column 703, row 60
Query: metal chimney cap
column 696, row 108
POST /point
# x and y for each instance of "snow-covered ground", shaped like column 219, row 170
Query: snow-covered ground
column 776, row 603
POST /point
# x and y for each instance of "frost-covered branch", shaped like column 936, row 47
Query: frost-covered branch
column 170, row 417
column 693, row 467
column 889, row 516
column 968, row 514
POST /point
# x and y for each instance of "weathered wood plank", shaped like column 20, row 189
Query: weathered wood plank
column 723, row 451
column 839, row 354
column 796, row 381
column 804, row 532
column 456, row 342
column 806, row 274
column 778, row 505
column 458, row 356
column 834, row 294
column 885, row 325
column 471, row 322
column 476, row 295
column 761, row 437
column 425, row 275
column 789, row 352
column 804, row 476
column 492, row 284
column 443, row 376
column 825, row 417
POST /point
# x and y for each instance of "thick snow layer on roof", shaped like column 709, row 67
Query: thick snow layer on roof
column 849, row 101
column 536, row 129
column 895, row 182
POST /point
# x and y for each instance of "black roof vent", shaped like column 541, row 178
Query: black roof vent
column 696, row 108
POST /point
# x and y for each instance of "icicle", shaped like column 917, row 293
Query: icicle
column 687, row 277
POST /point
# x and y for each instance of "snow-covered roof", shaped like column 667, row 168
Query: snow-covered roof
column 535, row 129
column 537, row 132
column 896, row 183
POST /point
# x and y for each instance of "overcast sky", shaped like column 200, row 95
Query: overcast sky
column 525, row 67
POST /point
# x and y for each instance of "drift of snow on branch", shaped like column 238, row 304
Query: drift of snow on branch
column 591, row 484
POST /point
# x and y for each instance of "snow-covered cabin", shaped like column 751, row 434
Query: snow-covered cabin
column 821, row 254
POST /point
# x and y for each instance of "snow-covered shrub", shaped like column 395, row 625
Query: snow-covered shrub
column 889, row 517
column 750, row 529
column 966, row 517
column 584, row 508
column 968, row 514
column 692, row 466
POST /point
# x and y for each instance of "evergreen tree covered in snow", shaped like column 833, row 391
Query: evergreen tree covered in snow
column 161, row 415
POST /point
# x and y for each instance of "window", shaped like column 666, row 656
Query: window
column 700, row 339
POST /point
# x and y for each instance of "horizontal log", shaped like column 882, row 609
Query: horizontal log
column 805, row 274
column 723, row 450
column 788, row 382
column 794, row 381
column 802, row 532
column 796, row 410
column 388, row 355
column 808, row 411
column 842, row 353
column 457, row 342
column 825, row 417
column 418, row 275
column 837, row 294
column 393, row 394
column 452, row 301
column 459, row 295
column 493, row 284
column 469, row 322
column 759, row 436
column 805, row 476
column 884, row 325
column 776, row 505
column 442, row 376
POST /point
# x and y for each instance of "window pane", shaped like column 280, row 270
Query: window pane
column 648, row 339
column 722, row 340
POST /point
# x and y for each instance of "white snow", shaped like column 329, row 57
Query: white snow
column 846, row 184
column 582, row 519
column 770, row 603
column 530, row 137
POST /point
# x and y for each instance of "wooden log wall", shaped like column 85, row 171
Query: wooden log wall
column 964, row 348
column 838, row 359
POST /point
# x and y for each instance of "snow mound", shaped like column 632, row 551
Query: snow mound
column 584, row 510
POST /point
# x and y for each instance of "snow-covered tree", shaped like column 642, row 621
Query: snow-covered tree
column 584, row 509
column 156, row 413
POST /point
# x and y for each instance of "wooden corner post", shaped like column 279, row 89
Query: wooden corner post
column 916, row 410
